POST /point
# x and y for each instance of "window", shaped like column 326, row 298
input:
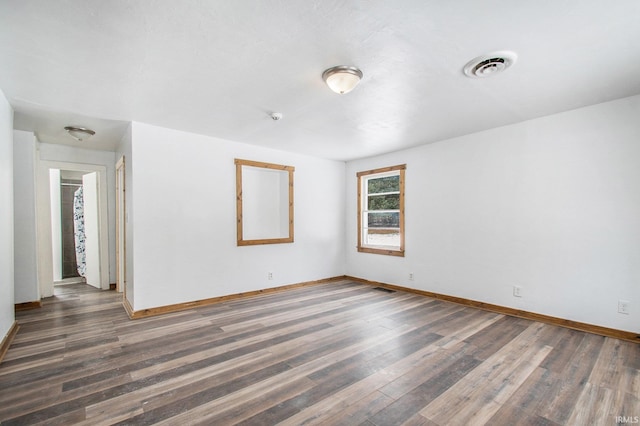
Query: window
column 381, row 211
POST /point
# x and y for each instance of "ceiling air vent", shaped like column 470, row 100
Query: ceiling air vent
column 490, row 64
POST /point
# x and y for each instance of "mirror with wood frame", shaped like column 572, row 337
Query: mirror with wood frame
column 264, row 203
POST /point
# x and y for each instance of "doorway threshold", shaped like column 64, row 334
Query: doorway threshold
column 68, row 281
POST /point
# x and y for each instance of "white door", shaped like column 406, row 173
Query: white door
column 91, row 228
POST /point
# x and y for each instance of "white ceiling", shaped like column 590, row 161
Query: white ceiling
column 221, row 67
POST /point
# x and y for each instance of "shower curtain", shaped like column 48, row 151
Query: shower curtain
column 78, row 228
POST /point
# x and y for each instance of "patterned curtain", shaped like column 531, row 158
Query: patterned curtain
column 78, row 228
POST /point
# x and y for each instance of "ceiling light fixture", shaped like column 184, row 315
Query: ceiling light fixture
column 490, row 64
column 79, row 133
column 342, row 79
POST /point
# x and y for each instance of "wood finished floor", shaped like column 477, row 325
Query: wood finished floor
column 338, row 353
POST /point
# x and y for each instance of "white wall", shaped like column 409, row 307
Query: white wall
column 69, row 154
column 185, row 219
column 551, row 205
column 25, row 263
column 265, row 203
column 7, row 316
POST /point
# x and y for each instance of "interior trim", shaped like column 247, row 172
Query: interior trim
column 6, row 342
column 362, row 248
column 239, row 202
column 25, row 306
column 149, row 312
column 547, row 319
column 127, row 307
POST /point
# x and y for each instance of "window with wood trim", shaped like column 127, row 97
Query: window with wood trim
column 381, row 211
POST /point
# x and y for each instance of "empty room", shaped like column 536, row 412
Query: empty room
column 320, row 212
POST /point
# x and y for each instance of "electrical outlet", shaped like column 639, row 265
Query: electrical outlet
column 517, row 291
column 270, row 275
column 623, row 307
column 410, row 276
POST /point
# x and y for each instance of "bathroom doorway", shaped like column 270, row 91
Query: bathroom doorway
column 74, row 227
column 49, row 203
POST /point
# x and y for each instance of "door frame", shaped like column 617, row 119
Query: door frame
column 121, row 228
column 43, row 221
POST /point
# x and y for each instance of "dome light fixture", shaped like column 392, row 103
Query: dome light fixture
column 79, row 133
column 342, row 78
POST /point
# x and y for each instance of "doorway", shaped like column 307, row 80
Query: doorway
column 49, row 245
column 75, row 233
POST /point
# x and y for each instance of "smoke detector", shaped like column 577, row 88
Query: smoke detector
column 490, row 64
column 276, row 116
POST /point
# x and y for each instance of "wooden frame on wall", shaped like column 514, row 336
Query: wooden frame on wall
column 121, row 228
column 362, row 248
column 270, row 236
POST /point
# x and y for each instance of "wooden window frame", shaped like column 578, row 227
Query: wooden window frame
column 241, row 241
column 361, row 208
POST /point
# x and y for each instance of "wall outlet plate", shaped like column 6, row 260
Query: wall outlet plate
column 623, row 307
column 270, row 275
column 517, row 291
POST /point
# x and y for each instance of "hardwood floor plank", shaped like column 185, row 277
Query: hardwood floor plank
column 274, row 349
column 433, row 365
column 625, row 404
column 565, row 346
column 70, row 417
column 413, row 401
column 25, row 405
column 339, row 375
column 497, row 335
column 631, row 356
column 530, row 395
column 593, row 406
column 180, row 406
column 206, row 411
column 225, row 371
column 418, row 420
column 332, row 353
column 608, row 369
column 113, row 415
column 480, row 394
column 217, row 343
column 467, row 330
column 344, row 412
column 341, row 402
column 241, row 413
column 558, row 402
column 508, row 414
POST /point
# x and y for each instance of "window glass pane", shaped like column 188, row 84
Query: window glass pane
column 381, row 210
column 381, row 237
column 384, row 184
column 384, row 202
column 383, row 220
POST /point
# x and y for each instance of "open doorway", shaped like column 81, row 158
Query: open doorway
column 95, row 263
column 75, row 235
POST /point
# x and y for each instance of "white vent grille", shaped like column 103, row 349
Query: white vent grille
column 490, row 64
